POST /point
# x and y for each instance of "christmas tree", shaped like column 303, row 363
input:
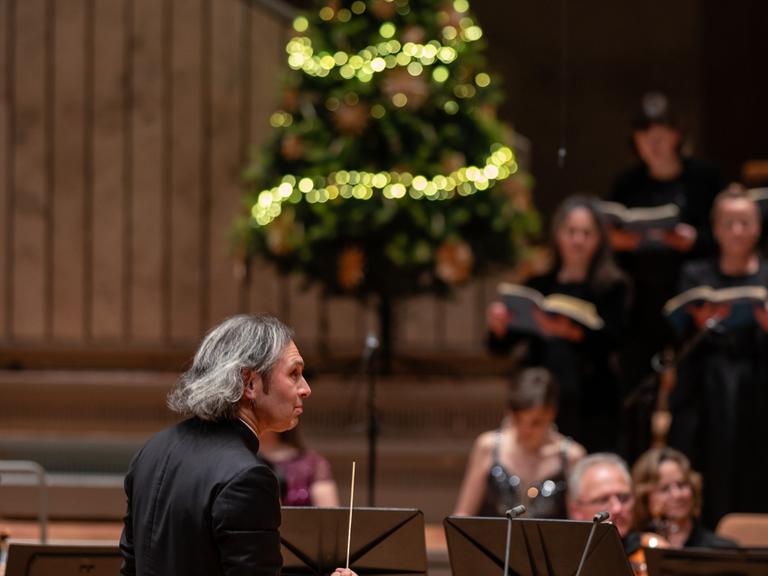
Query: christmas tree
column 388, row 173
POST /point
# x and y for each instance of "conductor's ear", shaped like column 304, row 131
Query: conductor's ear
column 250, row 378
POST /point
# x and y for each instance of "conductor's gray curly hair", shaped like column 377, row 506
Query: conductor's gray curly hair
column 211, row 389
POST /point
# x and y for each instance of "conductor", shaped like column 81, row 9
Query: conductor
column 200, row 500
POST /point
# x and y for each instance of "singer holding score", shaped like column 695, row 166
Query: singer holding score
column 200, row 499
column 720, row 401
column 663, row 175
column 583, row 360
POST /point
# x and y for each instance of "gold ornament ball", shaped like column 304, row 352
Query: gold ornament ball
column 453, row 261
column 351, row 119
column 450, row 16
column 414, row 88
column 383, row 9
column 351, row 268
column 291, row 100
column 415, row 34
column 292, row 147
column 453, row 161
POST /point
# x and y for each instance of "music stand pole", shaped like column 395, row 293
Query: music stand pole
column 597, row 519
column 371, row 345
column 511, row 515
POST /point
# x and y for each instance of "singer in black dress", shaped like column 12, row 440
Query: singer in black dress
column 584, row 362
column 720, row 402
column 662, row 176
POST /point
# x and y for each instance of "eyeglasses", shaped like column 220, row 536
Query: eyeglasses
column 602, row 501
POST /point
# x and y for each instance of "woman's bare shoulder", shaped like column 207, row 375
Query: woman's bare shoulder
column 575, row 451
column 485, row 441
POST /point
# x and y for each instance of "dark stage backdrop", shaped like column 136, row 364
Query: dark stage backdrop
column 708, row 56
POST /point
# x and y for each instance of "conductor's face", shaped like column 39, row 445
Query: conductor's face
column 278, row 399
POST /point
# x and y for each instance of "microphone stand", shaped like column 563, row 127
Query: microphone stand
column 511, row 515
column 598, row 518
column 371, row 346
column 711, row 326
column 662, row 361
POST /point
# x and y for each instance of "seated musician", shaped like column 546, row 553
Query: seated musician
column 668, row 499
column 601, row 483
column 524, row 461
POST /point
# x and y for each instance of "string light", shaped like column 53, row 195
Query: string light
column 372, row 59
column 362, row 185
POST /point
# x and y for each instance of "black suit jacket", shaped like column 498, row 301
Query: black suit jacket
column 200, row 501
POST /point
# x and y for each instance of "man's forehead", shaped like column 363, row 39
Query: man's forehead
column 604, row 476
column 291, row 355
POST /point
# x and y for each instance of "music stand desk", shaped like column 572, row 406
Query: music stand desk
column 34, row 559
column 384, row 541
column 707, row 562
column 538, row 547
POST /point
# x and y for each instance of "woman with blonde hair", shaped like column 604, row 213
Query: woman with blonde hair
column 668, row 499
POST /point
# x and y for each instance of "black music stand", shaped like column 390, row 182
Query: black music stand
column 384, row 541
column 707, row 562
column 538, row 547
column 97, row 559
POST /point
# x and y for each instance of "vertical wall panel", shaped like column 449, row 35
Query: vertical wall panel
column 68, row 155
column 415, row 324
column 204, row 162
column 186, row 291
column 459, row 327
column 147, row 185
column 30, row 193
column 267, row 60
column 304, row 312
column 346, row 324
column 167, row 167
column 109, row 219
column 226, row 88
column 245, row 71
column 7, row 38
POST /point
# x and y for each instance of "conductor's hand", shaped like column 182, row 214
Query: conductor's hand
column 623, row 240
column 498, row 318
column 343, row 572
column 682, row 238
